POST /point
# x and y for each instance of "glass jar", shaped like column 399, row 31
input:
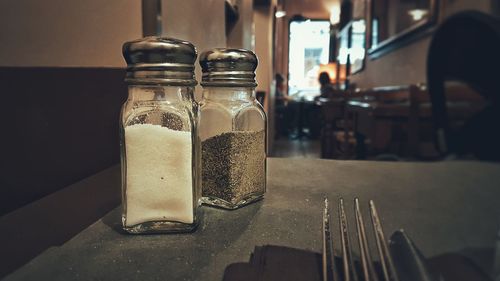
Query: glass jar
column 232, row 130
column 160, row 146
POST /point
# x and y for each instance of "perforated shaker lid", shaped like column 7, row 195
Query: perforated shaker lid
column 228, row 67
column 160, row 60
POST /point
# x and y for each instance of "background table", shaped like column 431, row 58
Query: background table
column 444, row 207
column 302, row 103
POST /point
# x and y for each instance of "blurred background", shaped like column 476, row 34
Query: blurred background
column 397, row 80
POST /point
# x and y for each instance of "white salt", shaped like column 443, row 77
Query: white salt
column 159, row 174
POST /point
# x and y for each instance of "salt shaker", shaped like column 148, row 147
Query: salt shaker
column 232, row 130
column 160, row 146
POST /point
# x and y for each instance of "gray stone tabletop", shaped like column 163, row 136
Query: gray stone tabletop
column 443, row 206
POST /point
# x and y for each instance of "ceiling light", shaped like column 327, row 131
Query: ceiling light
column 417, row 14
column 280, row 14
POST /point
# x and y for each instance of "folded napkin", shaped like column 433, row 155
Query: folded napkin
column 277, row 263
column 457, row 267
column 274, row 263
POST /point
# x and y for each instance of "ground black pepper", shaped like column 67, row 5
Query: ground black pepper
column 233, row 165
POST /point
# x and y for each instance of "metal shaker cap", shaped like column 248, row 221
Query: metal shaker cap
column 228, row 68
column 160, row 60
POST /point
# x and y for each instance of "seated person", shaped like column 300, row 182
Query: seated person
column 281, row 97
column 283, row 111
column 327, row 90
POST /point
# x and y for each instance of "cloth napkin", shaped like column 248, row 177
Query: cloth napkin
column 274, row 263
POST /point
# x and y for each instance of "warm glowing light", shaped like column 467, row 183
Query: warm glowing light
column 417, row 14
column 342, row 73
column 280, row 14
column 335, row 14
column 331, row 69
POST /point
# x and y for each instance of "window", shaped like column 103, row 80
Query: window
column 308, row 48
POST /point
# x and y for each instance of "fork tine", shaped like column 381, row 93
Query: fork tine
column 347, row 262
column 325, row 241
column 329, row 271
column 366, row 259
column 386, row 261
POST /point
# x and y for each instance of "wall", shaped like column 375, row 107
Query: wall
column 199, row 22
column 242, row 34
column 62, row 76
column 263, row 19
column 263, row 47
column 67, row 32
column 408, row 64
column 315, row 9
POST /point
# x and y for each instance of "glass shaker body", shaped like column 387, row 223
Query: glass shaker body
column 160, row 159
column 233, row 129
column 160, row 146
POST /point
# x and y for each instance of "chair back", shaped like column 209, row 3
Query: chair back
column 466, row 48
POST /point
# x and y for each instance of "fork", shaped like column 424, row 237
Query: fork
column 349, row 271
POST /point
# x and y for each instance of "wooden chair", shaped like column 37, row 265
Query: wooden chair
column 332, row 110
column 373, row 115
column 398, row 119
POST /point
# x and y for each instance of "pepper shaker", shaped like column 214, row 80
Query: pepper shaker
column 232, row 130
column 160, row 146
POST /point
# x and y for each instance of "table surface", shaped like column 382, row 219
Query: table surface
column 443, row 206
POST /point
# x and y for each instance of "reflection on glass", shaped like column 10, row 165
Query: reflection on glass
column 391, row 17
column 357, row 50
column 417, row 14
column 351, row 52
column 309, row 47
column 374, row 33
column 343, row 52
